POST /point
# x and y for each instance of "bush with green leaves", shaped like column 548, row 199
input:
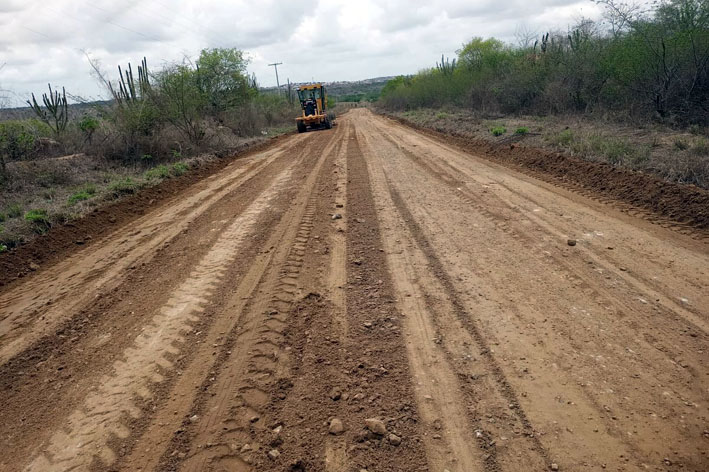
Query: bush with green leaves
column 19, row 140
column 160, row 172
column 180, row 168
column 123, row 186
column 498, row 130
column 522, row 130
column 652, row 63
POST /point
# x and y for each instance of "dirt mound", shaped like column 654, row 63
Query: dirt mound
column 680, row 203
column 64, row 239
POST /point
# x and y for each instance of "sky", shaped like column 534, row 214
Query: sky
column 47, row 41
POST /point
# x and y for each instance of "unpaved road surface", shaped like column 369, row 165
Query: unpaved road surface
column 258, row 320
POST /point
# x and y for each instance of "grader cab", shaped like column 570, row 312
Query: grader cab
column 313, row 103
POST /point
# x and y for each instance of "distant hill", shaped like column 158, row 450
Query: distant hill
column 350, row 91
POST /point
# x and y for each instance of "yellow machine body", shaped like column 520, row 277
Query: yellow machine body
column 313, row 103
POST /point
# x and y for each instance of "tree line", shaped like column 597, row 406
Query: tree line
column 641, row 63
column 183, row 107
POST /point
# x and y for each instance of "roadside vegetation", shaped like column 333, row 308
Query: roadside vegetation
column 641, row 68
column 158, row 124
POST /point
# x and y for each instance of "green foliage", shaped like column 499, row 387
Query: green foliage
column 123, row 186
column 700, row 147
column 3, row 217
column 565, row 138
column 183, row 100
column 55, row 112
column 159, row 172
column 39, row 219
column 655, row 65
column 441, row 115
column 18, row 140
column 84, row 193
column 522, row 130
column 3, row 248
column 180, row 168
column 14, row 211
column 88, row 126
column 221, row 76
column 498, row 130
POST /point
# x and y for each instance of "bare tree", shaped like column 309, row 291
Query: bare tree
column 525, row 35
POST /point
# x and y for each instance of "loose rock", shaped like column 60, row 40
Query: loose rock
column 394, row 440
column 273, row 454
column 336, row 426
column 554, row 467
column 336, row 216
column 376, row 426
column 571, row 242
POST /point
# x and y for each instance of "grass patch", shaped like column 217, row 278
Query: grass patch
column 14, row 211
column 3, row 248
column 498, row 130
column 700, row 147
column 84, row 193
column 160, row 172
column 180, row 168
column 522, row 130
column 39, row 219
column 442, row 115
column 681, row 144
column 123, row 186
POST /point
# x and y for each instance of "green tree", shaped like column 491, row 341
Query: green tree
column 181, row 101
column 223, row 79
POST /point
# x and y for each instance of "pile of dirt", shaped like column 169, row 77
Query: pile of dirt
column 67, row 238
column 685, row 204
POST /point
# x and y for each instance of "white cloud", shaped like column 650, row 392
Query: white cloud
column 323, row 40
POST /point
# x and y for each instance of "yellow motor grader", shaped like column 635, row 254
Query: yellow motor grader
column 313, row 101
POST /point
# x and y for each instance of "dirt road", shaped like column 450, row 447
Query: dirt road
column 261, row 318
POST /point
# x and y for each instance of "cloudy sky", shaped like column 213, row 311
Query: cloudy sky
column 46, row 40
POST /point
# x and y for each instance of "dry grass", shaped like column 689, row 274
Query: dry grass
column 670, row 154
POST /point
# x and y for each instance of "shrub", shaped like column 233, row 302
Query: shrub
column 3, row 248
column 498, row 130
column 14, row 211
column 159, row 172
column 700, row 147
column 85, row 193
column 522, row 130
column 88, row 126
column 680, row 144
column 180, row 168
column 565, row 137
column 39, row 219
column 3, row 217
column 18, row 140
column 123, row 187
column 442, row 115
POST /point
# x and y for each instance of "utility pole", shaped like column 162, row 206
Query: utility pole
column 275, row 66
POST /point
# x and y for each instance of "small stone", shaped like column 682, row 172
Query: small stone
column 278, row 429
column 554, row 466
column 335, row 394
column 571, row 242
column 194, row 418
column 34, row 266
column 245, row 448
column 376, row 426
column 254, row 419
column 336, row 216
column 336, row 426
column 273, row 454
column 394, row 440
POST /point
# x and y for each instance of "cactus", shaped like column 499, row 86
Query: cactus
column 446, row 66
column 129, row 91
column 56, row 114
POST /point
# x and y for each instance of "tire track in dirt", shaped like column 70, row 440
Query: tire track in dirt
column 90, row 428
column 599, row 398
column 443, row 382
column 104, row 266
column 257, row 358
column 509, row 218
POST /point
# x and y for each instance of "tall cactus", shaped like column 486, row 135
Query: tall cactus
column 446, row 66
column 56, row 114
column 129, row 90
